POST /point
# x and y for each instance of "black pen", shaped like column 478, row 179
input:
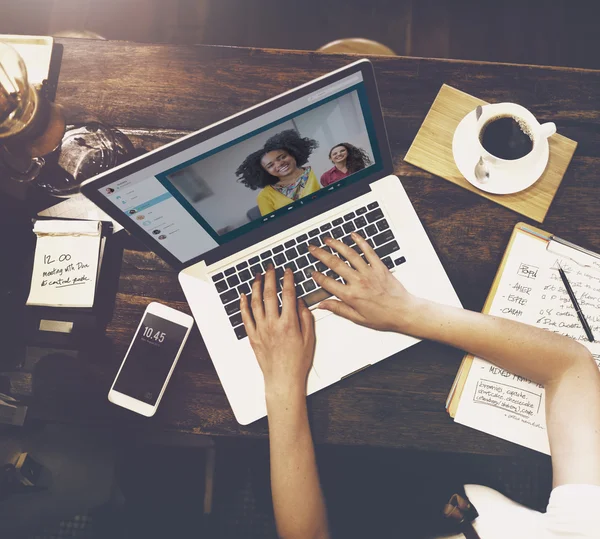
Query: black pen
column 584, row 323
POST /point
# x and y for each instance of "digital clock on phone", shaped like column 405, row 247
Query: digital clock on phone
column 154, row 336
column 150, row 359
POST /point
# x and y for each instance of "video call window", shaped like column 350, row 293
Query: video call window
column 266, row 172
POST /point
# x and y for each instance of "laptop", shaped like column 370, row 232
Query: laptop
column 218, row 205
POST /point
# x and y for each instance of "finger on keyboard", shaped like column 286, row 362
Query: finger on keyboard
column 256, row 303
column 329, row 283
column 288, row 294
column 334, row 262
column 349, row 254
column 366, row 248
column 270, row 293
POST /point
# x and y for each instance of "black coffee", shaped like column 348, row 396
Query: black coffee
column 504, row 137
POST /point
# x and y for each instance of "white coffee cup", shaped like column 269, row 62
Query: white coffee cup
column 538, row 133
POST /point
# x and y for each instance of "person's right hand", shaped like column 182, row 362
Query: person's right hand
column 372, row 296
column 283, row 342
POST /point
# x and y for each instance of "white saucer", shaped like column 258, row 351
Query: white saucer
column 466, row 156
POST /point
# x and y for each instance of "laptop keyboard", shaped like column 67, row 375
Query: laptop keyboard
column 368, row 221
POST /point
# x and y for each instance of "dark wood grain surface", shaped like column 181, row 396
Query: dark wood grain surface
column 156, row 93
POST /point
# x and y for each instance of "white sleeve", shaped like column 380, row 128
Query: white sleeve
column 574, row 512
column 502, row 518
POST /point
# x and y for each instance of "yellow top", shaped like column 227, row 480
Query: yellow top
column 270, row 199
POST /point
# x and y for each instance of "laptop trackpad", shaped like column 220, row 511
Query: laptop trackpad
column 319, row 314
column 344, row 347
column 336, row 353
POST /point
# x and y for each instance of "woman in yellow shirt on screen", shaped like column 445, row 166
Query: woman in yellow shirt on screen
column 278, row 170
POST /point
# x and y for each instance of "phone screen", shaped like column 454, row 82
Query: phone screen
column 150, row 358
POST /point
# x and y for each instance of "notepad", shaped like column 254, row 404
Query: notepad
column 79, row 207
column 66, row 263
column 528, row 288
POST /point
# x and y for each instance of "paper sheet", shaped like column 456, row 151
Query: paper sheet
column 65, row 265
column 79, row 207
column 530, row 291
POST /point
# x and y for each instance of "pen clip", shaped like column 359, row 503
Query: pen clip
column 582, row 319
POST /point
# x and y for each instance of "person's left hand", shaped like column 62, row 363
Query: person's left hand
column 284, row 343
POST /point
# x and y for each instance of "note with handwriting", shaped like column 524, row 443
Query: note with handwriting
column 65, row 266
column 530, row 291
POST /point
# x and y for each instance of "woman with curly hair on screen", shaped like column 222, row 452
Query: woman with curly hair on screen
column 278, row 170
column 347, row 159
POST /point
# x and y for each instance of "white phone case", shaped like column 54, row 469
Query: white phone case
column 131, row 403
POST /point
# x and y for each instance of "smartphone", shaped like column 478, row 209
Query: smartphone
column 150, row 359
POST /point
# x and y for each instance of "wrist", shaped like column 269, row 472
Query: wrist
column 287, row 393
column 412, row 316
column 285, row 407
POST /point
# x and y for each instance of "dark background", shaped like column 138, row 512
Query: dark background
column 357, row 480
column 542, row 32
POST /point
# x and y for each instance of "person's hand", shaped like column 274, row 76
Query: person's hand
column 284, row 343
column 372, row 296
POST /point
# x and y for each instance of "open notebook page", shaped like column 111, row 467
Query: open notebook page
column 530, row 291
column 65, row 266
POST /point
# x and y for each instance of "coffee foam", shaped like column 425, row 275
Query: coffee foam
column 525, row 128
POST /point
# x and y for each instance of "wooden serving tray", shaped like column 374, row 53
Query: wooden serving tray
column 432, row 151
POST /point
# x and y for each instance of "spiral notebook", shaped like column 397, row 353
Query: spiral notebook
column 527, row 288
column 68, row 254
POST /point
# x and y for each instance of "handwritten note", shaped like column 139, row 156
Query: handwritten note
column 530, row 290
column 65, row 264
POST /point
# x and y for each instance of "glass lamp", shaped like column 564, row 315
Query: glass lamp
column 16, row 103
column 34, row 142
column 30, row 125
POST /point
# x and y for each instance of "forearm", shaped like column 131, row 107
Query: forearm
column 297, row 497
column 530, row 352
column 373, row 297
column 562, row 365
column 573, row 422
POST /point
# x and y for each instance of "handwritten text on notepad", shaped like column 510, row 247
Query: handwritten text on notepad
column 63, row 271
column 65, row 264
column 505, row 404
column 558, row 313
column 508, row 397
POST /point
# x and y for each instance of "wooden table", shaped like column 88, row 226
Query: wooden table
column 156, row 93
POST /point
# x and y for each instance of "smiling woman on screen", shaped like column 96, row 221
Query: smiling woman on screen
column 347, row 159
column 278, row 170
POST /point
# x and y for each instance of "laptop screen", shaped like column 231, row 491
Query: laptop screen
column 238, row 180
